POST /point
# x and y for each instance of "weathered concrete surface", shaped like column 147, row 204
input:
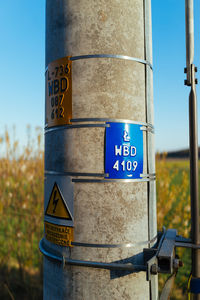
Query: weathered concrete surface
column 102, row 88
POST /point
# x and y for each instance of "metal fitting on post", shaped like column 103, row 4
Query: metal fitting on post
column 154, row 269
column 177, row 263
column 186, row 82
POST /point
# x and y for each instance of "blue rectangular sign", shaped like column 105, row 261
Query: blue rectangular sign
column 124, row 151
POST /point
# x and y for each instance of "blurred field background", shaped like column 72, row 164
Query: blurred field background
column 21, row 215
column 173, row 211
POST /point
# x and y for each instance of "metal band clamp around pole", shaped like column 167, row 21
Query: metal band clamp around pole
column 125, row 57
column 111, row 120
column 144, row 126
column 92, row 264
column 112, row 180
column 116, row 56
column 128, row 245
column 81, row 123
column 63, row 127
column 56, row 173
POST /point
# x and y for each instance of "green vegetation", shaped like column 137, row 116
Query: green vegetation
column 21, row 211
column 173, row 211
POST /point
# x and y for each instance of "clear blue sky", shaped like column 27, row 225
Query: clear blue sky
column 22, row 39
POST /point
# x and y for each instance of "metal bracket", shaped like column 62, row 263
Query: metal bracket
column 90, row 264
column 166, row 254
column 189, row 79
column 161, row 258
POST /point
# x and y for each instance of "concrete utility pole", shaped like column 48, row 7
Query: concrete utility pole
column 99, row 170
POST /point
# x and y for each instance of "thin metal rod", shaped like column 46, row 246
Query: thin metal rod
column 194, row 177
column 108, row 266
column 187, row 245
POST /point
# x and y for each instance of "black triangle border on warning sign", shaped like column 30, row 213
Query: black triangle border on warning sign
column 65, row 204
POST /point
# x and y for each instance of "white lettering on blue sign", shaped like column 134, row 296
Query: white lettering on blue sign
column 126, row 137
column 124, row 151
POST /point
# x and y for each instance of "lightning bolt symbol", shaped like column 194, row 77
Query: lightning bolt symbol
column 55, row 201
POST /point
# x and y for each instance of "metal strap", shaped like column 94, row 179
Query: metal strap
column 56, row 173
column 147, row 129
column 112, row 120
column 144, row 126
column 47, row 172
column 47, row 130
column 112, row 180
column 125, row 57
column 152, row 175
column 128, row 245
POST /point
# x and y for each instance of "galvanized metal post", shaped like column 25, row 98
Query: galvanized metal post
column 193, row 125
column 194, row 182
column 108, row 45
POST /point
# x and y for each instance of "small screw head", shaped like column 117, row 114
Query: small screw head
column 196, row 80
column 195, row 69
column 185, row 81
column 185, row 70
column 176, row 263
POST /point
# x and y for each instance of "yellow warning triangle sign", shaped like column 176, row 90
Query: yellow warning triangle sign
column 57, row 207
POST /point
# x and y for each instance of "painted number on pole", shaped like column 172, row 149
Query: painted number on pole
column 124, row 151
column 59, row 92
